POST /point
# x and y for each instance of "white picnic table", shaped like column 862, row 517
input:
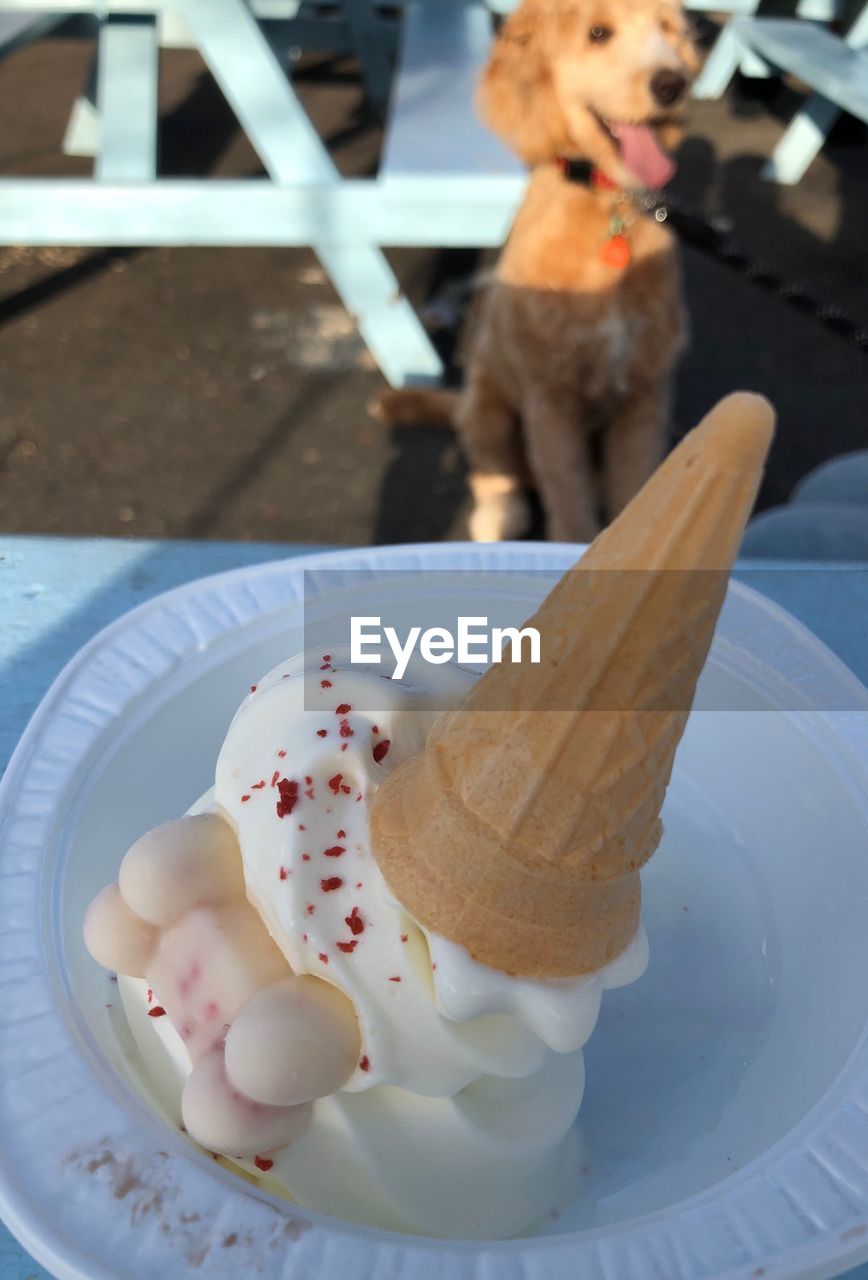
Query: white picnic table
column 444, row 179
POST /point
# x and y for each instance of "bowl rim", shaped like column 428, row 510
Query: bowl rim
column 751, row 1219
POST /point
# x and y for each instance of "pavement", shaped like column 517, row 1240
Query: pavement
column 220, row 393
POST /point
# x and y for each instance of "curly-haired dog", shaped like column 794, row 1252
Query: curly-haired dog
column 583, row 324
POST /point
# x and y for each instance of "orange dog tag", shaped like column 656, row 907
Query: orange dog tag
column 616, row 252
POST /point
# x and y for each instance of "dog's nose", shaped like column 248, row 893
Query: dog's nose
column 667, row 86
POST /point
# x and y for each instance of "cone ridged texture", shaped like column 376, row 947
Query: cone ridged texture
column 520, row 830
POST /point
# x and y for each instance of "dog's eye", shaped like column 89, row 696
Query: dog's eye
column 600, row 34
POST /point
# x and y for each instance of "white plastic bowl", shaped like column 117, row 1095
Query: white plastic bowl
column 726, row 1113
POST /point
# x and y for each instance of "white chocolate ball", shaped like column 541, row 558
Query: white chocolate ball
column 116, row 937
column 293, row 1042
column 223, row 1120
column 190, row 862
column 208, row 965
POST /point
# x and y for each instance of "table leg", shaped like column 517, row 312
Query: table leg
column 721, row 64
column 802, row 141
column 127, row 98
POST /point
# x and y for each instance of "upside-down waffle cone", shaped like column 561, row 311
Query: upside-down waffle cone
column 520, row 829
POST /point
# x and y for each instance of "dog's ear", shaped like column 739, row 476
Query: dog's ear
column 516, row 97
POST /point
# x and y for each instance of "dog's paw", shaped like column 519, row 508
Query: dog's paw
column 500, row 508
column 264, row 1042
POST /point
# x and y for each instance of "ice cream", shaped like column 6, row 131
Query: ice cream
column 479, row 1072
column 339, row 966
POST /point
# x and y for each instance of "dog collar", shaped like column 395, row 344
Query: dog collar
column 585, row 174
column 616, row 250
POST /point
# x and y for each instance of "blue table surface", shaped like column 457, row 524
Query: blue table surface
column 55, row 593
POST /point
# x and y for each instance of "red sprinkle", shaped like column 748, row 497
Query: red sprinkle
column 344, row 746
column 257, row 786
column 335, row 851
column 309, row 781
column 394, row 979
column 281, row 754
column 325, row 684
column 304, row 937
column 345, row 730
column 404, row 937
column 381, row 749
column 322, row 733
column 305, row 857
column 284, row 873
column 288, row 797
column 244, row 799
column 342, row 835
column 335, row 783
column 348, row 947
column 262, row 1163
column 355, row 922
column 374, row 728
column 343, row 710
column 327, row 657
column 310, row 908
column 365, row 1063
column 358, row 797
column 253, row 688
column 274, row 777
column 157, row 1012
column 150, row 995
column 330, row 884
column 302, row 827
column 323, row 957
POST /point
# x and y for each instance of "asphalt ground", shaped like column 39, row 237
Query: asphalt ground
column 220, row 393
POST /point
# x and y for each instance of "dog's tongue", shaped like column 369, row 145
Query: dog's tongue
column 643, row 156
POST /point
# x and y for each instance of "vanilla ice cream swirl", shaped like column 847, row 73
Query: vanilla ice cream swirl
column 296, row 774
column 458, row 1117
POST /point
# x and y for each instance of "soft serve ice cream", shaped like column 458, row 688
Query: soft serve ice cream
column 455, row 1116
column 313, row 878
column 353, row 968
